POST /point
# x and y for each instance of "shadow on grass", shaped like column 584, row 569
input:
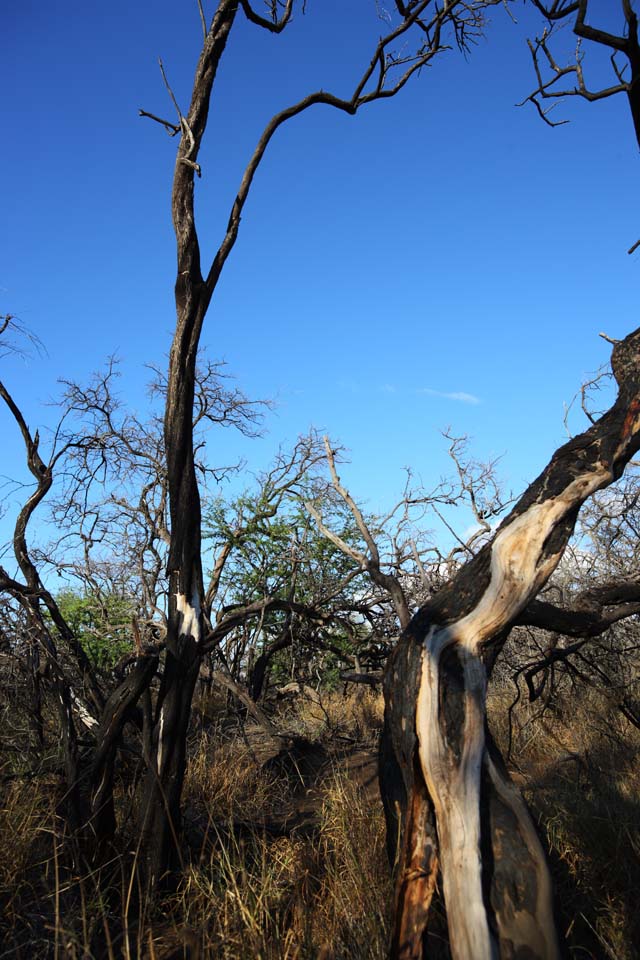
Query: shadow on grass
column 589, row 815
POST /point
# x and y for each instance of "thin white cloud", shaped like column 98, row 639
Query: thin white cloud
column 350, row 386
column 458, row 395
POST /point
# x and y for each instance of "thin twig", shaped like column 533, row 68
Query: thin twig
column 171, row 128
column 170, row 91
column 203, row 20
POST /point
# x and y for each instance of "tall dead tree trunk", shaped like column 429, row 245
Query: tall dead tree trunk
column 161, row 818
column 384, row 75
column 459, row 812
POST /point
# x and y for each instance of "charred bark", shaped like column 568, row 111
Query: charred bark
column 384, row 76
column 161, row 820
column 412, row 844
column 36, row 601
column 166, row 764
column 443, row 769
column 35, row 684
column 117, row 712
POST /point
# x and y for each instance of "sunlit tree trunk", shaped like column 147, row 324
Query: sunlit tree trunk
column 459, row 812
column 419, row 27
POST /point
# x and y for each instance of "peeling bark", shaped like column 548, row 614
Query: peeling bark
column 411, row 830
column 494, row 875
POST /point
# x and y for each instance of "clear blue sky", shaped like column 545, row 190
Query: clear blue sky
column 444, row 258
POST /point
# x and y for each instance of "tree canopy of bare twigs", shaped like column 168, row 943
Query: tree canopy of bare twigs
column 556, row 81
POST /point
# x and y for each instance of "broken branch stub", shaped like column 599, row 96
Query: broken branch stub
column 439, row 768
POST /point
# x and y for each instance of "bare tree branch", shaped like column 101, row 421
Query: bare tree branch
column 623, row 44
column 276, row 24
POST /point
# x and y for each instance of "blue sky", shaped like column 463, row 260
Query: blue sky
column 443, row 259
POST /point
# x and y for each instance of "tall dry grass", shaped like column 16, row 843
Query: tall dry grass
column 578, row 766
column 284, row 843
column 282, row 860
column 254, row 893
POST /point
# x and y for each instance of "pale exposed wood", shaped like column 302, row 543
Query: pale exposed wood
column 471, row 797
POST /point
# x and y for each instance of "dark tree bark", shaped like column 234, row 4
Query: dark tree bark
column 163, row 790
column 624, row 45
column 117, row 711
column 35, row 599
column 384, row 76
column 439, row 767
column 259, row 671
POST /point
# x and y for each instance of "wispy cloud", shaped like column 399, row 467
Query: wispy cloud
column 458, row 395
column 348, row 385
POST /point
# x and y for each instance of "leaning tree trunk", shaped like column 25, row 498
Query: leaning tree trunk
column 459, row 814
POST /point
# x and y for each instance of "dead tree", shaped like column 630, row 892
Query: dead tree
column 45, row 623
column 459, row 813
column 582, row 631
column 422, row 31
column 555, row 81
column 103, row 477
column 451, row 808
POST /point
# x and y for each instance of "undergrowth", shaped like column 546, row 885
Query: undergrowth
column 284, row 852
column 577, row 765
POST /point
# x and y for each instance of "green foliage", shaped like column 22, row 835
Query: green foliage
column 281, row 554
column 272, row 554
column 101, row 623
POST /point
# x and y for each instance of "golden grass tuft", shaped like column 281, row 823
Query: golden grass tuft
column 357, row 714
column 281, row 860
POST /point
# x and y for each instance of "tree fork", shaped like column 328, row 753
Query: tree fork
column 439, row 766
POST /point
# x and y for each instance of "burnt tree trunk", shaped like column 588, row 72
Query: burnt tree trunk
column 35, row 682
column 193, row 295
column 185, row 630
column 35, row 599
column 459, row 812
column 118, row 710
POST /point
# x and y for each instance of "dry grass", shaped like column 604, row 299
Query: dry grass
column 357, row 715
column 579, row 770
column 260, row 881
column 26, row 811
column 286, row 859
column 255, row 895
